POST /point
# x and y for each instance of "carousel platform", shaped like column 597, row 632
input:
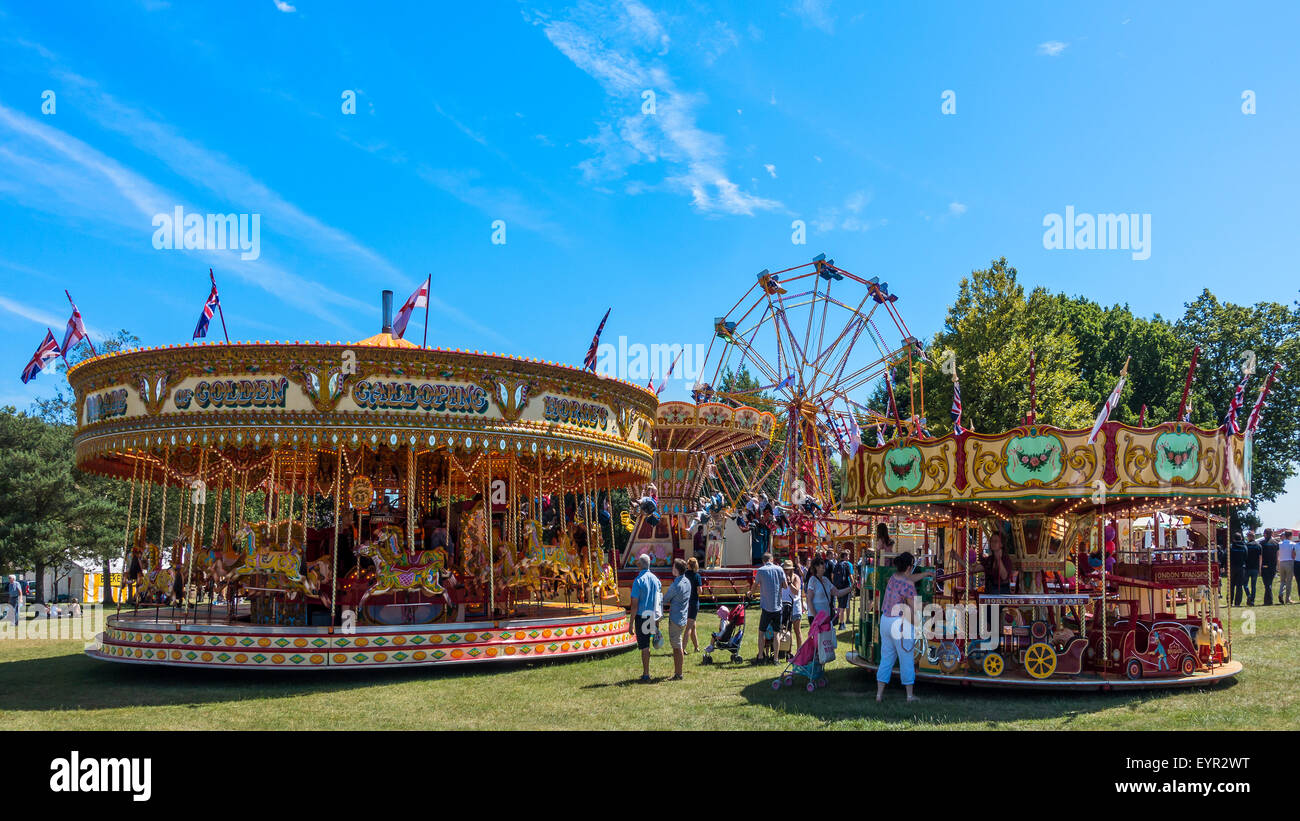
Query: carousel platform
column 1084, row 681
column 548, row 630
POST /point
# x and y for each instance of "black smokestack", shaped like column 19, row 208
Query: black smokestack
column 388, row 313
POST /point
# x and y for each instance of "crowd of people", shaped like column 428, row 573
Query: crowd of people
column 787, row 594
column 1252, row 558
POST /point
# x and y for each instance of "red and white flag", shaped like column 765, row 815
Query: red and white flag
column 1111, row 402
column 419, row 299
column 76, row 331
column 48, row 349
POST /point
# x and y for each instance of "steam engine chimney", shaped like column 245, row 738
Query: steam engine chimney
column 388, row 313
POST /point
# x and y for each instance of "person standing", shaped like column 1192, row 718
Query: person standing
column 792, row 597
column 770, row 581
column 1285, row 566
column 896, row 634
column 1253, row 559
column 1237, row 567
column 15, row 592
column 677, row 601
column 696, row 582
column 820, row 592
column 842, row 578
column 645, row 594
column 998, row 571
column 1268, row 559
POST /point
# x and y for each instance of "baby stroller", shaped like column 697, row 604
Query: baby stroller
column 806, row 661
column 731, row 629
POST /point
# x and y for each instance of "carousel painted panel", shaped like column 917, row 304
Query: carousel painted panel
column 452, row 644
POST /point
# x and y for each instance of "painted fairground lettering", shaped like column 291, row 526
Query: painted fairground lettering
column 582, row 414
column 235, row 393
column 126, row 775
column 105, row 405
column 1102, row 232
column 423, row 396
column 209, row 232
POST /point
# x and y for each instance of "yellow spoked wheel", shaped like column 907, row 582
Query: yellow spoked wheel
column 1040, row 660
column 993, row 665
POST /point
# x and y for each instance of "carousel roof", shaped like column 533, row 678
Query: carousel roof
column 1042, row 470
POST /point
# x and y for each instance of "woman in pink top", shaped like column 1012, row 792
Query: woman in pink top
column 896, row 636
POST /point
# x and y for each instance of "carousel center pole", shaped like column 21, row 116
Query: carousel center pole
column 195, row 536
column 334, row 554
column 487, row 525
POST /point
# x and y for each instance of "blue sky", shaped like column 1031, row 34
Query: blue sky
column 816, row 110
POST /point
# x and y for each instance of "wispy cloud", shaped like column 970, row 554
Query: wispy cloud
column 847, row 216
column 45, row 319
column 956, row 208
column 53, row 171
column 222, row 176
column 1052, row 48
column 771, row 169
column 611, row 46
column 285, row 7
column 817, row 14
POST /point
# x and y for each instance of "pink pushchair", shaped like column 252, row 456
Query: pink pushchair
column 807, row 661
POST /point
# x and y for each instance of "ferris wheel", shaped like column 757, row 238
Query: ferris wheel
column 819, row 340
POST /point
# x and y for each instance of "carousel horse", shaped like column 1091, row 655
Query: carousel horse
column 219, row 559
column 134, row 563
column 319, row 574
column 282, row 567
column 395, row 574
column 168, row 583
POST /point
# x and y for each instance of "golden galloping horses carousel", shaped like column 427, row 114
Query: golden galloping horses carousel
column 358, row 505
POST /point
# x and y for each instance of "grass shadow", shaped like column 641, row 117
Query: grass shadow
column 850, row 694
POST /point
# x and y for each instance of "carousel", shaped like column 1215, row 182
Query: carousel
column 689, row 514
column 348, row 506
column 1064, row 559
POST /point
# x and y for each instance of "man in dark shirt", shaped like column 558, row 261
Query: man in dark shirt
column 1252, row 567
column 1268, row 564
column 1237, row 567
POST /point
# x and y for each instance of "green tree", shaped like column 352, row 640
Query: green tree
column 991, row 329
column 1227, row 334
column 35, row 485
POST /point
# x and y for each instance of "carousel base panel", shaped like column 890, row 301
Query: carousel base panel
column 1083, row 681
column 553, row 630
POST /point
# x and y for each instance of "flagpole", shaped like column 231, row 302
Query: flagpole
column 222, row 313
column 1187, row 385
column 428, row 293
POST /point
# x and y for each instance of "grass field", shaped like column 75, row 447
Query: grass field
column 51, row 685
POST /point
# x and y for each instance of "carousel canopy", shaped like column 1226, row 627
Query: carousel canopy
column 1049, row 471
column 236, row 402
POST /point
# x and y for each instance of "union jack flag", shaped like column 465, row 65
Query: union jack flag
column 956, row 408
column 590, row 361
column 1238, row 399
column 48, row 349
column 205, row 316
column 663, row 383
